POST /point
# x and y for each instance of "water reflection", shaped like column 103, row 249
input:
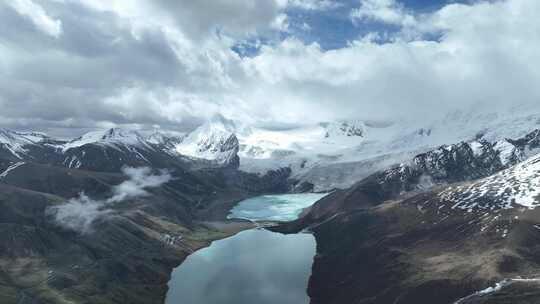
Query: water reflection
column 255, row 266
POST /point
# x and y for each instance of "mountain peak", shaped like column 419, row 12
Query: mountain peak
column 215, row 141
column 110, row 136
column 15, row 141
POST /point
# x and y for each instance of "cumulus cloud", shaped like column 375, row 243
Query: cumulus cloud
column 171, row 63
column 482, row 54
column 195, row 19
column 387, row 11
column 80, row 213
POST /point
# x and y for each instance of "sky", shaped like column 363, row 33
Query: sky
column 68, row 66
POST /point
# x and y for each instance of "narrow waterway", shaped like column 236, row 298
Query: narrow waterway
column 254, row 266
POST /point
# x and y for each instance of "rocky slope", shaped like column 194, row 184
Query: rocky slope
column 457, row 224
column 119, row 241
column 126, row 258
column 420, row 250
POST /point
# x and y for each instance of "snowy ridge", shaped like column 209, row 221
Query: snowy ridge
column 306, row 147
column 518, row 186
column 214, row 141
column 338, row 160
column 508, row 153
column 15, row 142
column 328, row 155
column 114, row 137
column 462, row 162
column 317, row 141
column 164, row 138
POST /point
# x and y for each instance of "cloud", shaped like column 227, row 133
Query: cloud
column 142, row 63
column 482, row 54
column 280, row 23
column 386, row 11
column 314, row 4
column 195, row 19
column 80, row 213
column 139, row 180
column 38, row 16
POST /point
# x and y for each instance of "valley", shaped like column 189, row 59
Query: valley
column 92, row 220
column 269, row 151
column 260, row 265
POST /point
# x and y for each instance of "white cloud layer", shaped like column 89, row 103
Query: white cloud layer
column 387, row 11
column 313, row 4
column 170, row 63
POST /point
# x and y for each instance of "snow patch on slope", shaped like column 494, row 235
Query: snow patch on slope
column 507, row 151
column 10, row 168
column 516, row 186
column 15, row 142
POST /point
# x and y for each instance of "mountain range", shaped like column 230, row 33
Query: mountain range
column 328, row 155
column 441, row 212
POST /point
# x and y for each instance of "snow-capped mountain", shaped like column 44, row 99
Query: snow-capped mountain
column 214, row 141
column 17, row 143
column 464, row 161
column 518, row 186
column 106, row 150
column 165, row 140
column 461, row 238
column 327, row 156
column 115, row 138
column 305, row 141
column 460, row 217
column 111, row 149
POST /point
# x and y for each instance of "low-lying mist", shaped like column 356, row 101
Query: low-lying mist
column 81, row 212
